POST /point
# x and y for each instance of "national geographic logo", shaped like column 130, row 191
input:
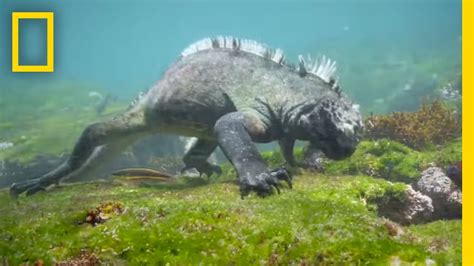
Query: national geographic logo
column 49, row 17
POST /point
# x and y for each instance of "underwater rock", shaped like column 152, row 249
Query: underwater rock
column 415, row 208
column 434, row 196
column 446, row 196
column 16, row 171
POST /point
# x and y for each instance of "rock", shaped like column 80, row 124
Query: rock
column 415, row 208
column 446, row 196
column 16, row 171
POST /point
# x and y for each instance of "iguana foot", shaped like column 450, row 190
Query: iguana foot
column 30, row 186
column 206, row 168
column 264, row 183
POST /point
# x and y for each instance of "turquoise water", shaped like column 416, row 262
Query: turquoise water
column 392, row 55
column 124, row 46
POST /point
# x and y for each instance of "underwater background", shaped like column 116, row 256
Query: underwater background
column 124, row 46
column 392, row 56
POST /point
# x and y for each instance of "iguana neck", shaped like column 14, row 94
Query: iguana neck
column 293, row 119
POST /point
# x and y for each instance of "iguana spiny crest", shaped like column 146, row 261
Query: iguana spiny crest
column 322, row 67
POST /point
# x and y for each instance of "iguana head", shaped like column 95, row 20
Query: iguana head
column 330, row 122
column 333, row 125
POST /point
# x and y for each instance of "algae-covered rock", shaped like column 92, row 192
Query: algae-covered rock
column 384, row 159
column 412, row 209
column 446, row 196
column 394, row 161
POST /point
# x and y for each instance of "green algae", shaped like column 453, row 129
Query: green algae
column 394, row 161
column 324, row 219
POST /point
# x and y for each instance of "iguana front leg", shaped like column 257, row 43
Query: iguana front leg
column 235, row 133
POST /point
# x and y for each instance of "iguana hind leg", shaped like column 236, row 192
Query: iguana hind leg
column 98, row 144
column 235, row 133
column 196, row 157
column 286, row 146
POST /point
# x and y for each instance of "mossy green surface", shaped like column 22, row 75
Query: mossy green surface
column 322, row 220
column 394, row 161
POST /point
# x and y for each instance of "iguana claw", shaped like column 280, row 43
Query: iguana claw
column 264, row 183
column 282, row 174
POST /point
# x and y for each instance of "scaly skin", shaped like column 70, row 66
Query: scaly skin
column 226, row 98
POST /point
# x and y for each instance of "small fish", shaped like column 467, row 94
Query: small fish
column 141, row 172
column 149, row 178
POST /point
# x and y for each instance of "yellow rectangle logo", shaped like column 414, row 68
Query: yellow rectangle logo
column 49, row 16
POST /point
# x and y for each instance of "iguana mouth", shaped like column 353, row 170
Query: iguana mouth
column 333, row 150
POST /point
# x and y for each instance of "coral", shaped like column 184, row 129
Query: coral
column 432, row 124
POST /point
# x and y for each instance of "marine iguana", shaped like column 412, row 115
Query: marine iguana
column 227, row 92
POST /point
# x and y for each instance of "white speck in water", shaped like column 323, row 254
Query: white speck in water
column 379, row 100
column 5, row 145
column 407, row 87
